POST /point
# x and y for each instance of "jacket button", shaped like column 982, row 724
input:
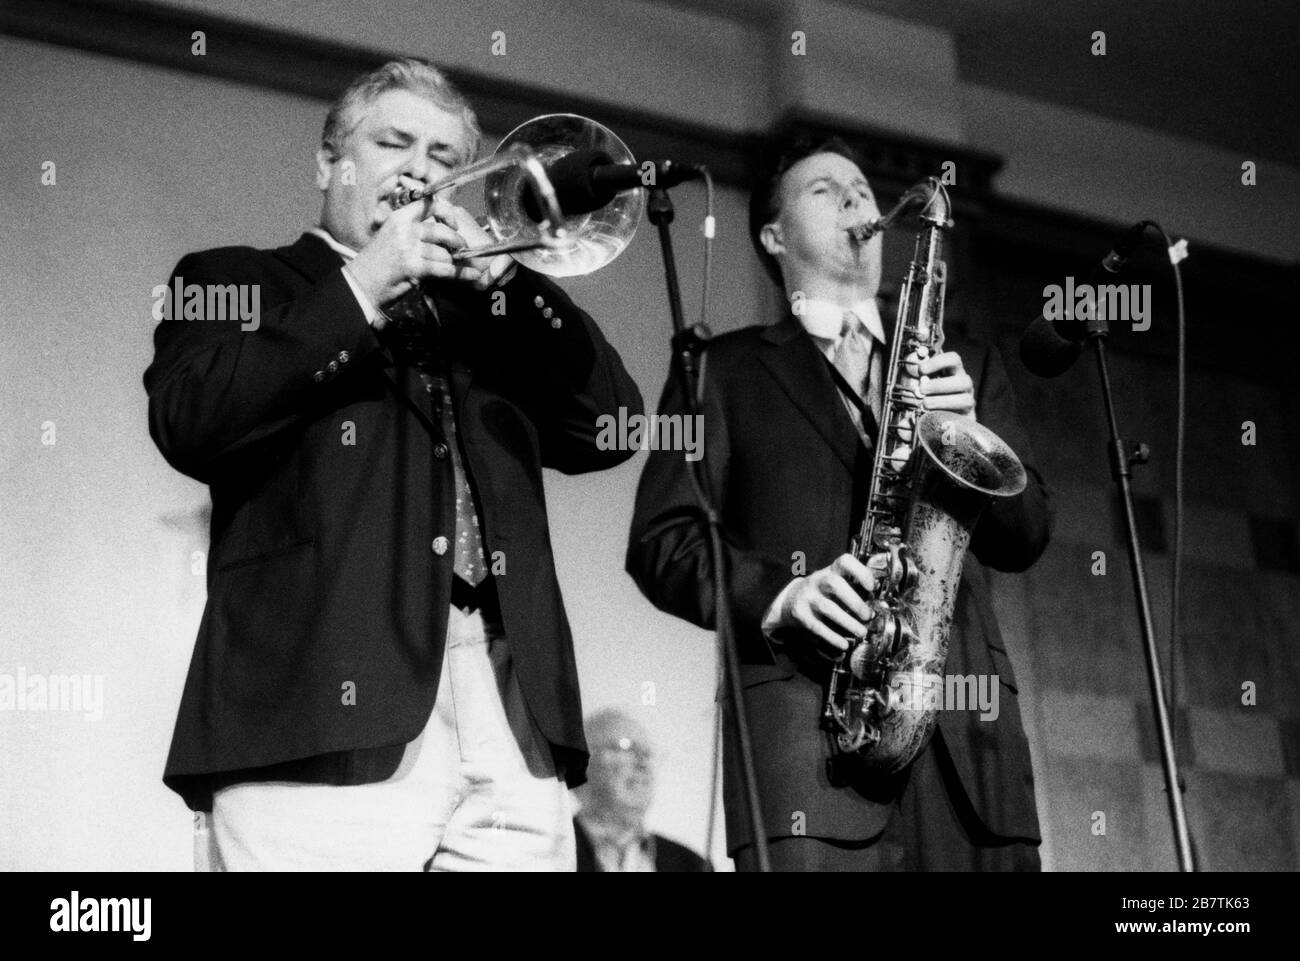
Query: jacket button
column 548, row 313
column 538, row 302
column 440, row 451
column 440, row 546
column 555, row 323
column 344, row 356
column 318, row 376
column 332, row 366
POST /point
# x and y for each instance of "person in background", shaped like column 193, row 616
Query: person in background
column 610, row 829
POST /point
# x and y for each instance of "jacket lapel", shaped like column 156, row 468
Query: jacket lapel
column 795, row 363
column 313, row 258
column 310, row 256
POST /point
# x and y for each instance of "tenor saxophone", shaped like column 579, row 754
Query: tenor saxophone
column 933, row 474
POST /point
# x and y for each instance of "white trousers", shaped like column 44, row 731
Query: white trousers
column 476, row 791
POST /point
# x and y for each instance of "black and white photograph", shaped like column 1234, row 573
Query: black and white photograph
column 653, row 436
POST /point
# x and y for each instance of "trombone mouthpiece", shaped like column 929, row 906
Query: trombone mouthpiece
column 402, row 196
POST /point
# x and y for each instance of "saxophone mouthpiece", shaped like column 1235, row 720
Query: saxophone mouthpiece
column 924, row 193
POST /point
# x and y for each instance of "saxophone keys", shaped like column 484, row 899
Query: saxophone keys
column 911, row 575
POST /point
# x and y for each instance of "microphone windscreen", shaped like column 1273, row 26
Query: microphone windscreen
column 571, row 178
column 1045, row 352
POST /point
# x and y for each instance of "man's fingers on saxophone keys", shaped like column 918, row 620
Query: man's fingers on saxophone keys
column 952, row 390
column 822, row 617
column 832, row 641
column 840, row 590
column 949, row 361
column 856, row 572
column 960, row 402
column 933, row 388
column 832, row 614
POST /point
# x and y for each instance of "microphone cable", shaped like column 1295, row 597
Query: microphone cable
column 1177, row 252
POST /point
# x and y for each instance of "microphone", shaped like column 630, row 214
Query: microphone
column 586, row 180
column 1115, row 260
column 1045, row 352
column 1050, row 348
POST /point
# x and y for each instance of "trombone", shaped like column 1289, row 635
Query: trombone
column 539, row 235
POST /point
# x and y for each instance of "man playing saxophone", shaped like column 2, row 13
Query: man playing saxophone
column 791, row 412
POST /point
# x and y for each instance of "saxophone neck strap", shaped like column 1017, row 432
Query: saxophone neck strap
column 853, row 397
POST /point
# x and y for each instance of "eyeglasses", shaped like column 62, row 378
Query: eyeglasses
column 625, row 747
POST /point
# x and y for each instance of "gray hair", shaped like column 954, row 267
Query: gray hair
column 406, row 73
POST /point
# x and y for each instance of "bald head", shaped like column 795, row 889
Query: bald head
column 611, row 726
column 621, row 773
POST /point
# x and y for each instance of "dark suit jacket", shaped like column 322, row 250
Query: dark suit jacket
column 670, row 857
column 330, row 483
column 790, row 474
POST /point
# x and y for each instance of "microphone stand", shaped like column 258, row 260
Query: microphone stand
column 687, row 344
column 1122, row 461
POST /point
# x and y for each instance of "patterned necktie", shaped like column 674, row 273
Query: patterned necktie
column 860, row 366
column 411, row 332
column 469, row 562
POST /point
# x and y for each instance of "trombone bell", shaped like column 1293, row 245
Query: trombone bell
column 586, row 242
column 555, row 244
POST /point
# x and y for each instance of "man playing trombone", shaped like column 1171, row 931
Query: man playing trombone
column 384, row 677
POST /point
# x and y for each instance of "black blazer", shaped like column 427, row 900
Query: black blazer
column 790, row 478
column 670, row 857
column 320, row 647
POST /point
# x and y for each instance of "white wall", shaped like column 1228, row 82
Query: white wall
column 734, row 68
column 97, row 530
column 655, row 56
